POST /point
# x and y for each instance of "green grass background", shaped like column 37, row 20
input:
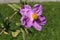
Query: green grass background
column 51, row 31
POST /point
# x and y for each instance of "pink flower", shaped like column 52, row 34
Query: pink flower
column 32, row 17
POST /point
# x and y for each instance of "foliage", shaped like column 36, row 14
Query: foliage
column 50, row 32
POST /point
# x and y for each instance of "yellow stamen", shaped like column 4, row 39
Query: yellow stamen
column 34, row 16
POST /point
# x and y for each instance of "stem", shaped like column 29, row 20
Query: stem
column 23, row 34
column 26, row 30
column 2, row 31
column 13, row 15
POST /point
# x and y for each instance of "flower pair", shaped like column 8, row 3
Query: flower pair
column 32, row 16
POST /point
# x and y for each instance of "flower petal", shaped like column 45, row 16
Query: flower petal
column 38, row 9
column 37, row 26
column 29, row 24
column 27, row 6
column 26, row 12
column 41, row 20
column 26, row 22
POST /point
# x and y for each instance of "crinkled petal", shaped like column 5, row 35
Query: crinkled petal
column 37, row 26
column 38, row 9
column 41, row 20
column 26, row 12
column 27, row 6
column 26, row 22
column 29, row 24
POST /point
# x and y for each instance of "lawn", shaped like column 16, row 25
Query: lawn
column 51, row 31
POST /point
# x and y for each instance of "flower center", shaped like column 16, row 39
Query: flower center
column 34, row 16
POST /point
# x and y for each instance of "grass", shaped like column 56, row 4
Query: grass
column 51, row 31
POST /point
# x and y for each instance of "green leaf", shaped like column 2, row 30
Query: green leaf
column 14, row 34
column 16, row 6
column 10, row 5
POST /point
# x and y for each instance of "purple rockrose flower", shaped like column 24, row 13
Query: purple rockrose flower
column 32, row 16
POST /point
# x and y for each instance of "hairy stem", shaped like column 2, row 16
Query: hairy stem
column 26, row 30
column 2, row 31
column 23, row 34
column 13, row 15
